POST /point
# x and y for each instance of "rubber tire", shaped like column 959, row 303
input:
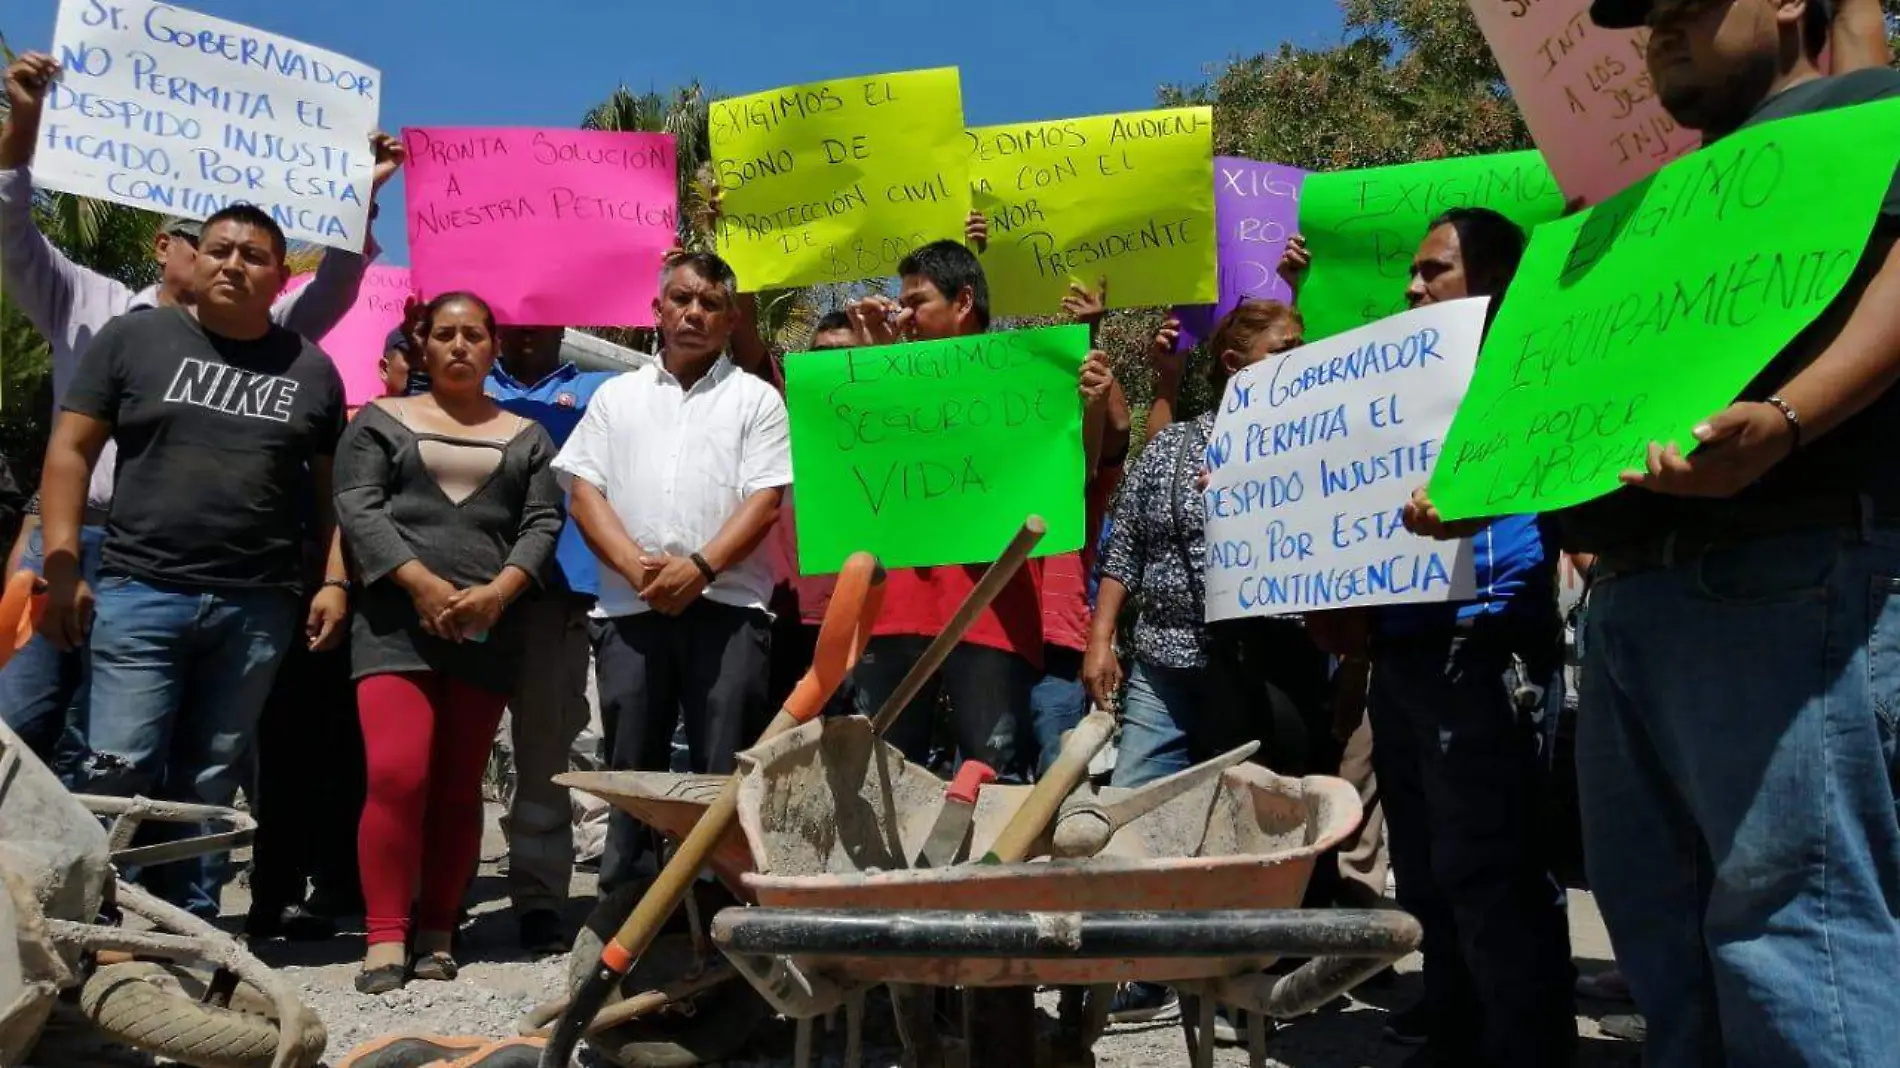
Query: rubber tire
column 727, row 1016
column 154, row 1008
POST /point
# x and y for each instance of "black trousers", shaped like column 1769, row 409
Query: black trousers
column 310, row 784
column 1461, row 721
column 710, row 667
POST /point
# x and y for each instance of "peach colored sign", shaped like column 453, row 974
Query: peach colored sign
column 1585, row 94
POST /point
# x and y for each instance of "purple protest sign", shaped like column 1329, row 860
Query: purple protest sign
column 1256, row 208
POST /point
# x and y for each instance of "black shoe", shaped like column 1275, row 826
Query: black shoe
column 293, row 923
column 543, row 934
column 1142, row 1003
column 381, row 980
column 1409, row 1026
column 435, row 967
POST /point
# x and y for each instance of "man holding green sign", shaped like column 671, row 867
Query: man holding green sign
column 930, row 444
column 1736, row 740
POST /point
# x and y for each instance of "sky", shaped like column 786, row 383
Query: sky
column 545, row 62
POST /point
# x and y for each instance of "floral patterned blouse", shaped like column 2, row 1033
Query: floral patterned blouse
column 1157, row 546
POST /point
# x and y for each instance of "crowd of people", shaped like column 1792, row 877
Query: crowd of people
column 250, row 587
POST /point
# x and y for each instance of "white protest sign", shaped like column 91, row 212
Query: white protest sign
column 184, row 114
column 1313, row 456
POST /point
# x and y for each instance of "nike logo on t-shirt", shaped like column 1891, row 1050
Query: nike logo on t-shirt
column 234, row 391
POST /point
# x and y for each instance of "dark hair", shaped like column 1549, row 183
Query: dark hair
column 707, row 265
column 426, row 324
column 1239, row 329
column 253, row 216
column 951, row 267
column 831, row 320
column 1492, row 245
column 1816, row 22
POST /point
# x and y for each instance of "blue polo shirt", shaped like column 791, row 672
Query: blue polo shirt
column 557, row 402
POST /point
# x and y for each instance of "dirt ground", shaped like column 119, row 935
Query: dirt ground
column 498, row 986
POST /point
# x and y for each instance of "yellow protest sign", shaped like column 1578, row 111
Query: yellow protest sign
column 1125, row 197
column 837, row 181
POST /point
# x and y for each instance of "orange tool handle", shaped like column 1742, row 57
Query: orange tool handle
column 20, row 610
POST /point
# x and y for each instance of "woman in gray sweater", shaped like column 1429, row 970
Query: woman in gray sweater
column 450, row 511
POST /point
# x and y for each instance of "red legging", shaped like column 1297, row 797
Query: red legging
column 426, row 738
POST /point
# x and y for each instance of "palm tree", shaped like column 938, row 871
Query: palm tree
column 786, row 316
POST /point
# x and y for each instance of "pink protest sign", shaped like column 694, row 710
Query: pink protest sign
column 355, row 344
column 1585, row 94
column 1256, row 208
column 552, row 227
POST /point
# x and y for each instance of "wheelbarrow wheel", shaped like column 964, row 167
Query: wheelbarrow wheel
column 721, row 1021
column 156, row 1008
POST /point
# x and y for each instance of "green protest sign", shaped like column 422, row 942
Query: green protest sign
column 935, row 452
column 1634, row 321
column 1362, row 227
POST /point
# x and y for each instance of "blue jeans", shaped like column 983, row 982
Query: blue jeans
column 42, row 690
column 1157, row 709
column 1735, row 760
column 179, row 678
column 1056, row 704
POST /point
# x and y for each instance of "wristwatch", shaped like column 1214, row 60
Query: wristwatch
column 341, row 584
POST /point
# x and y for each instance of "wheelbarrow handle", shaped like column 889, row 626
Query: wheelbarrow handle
column 21, row 606
column 855, row 603
column 847, row 627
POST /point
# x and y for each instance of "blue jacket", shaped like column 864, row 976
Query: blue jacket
column 1515, row 560
column 557, row 402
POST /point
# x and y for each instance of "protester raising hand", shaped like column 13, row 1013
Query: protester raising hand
column 1168, row 367
column 878, row 320
column 976, row 231
column 1087, row 306
column 1097, row 378
column 28, row 78
column 1294, row 262
column 390, row 154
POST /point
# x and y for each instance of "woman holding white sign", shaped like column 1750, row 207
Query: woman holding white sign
column 1178, row 694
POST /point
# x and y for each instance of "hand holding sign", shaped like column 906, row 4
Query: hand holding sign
column 1738, row 445
column 27, row 80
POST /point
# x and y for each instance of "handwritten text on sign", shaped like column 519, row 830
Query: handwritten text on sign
column 176, row 112
column 1585, row 93
column 935, row 452
column 355, row 343
column 1256, row 208
column 838, row 181
column 1635, row 321
column 535, row 220
column 1363, row 227
column 1126, row 197
column 1313, row 456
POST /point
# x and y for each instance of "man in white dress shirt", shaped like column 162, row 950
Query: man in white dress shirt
column 675, row 473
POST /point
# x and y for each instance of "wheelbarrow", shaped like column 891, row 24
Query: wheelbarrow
column 66, row 907
column 1200, row 893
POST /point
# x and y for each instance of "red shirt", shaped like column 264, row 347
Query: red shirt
column 808, row 596
column 921, row 600
column 1065, row 602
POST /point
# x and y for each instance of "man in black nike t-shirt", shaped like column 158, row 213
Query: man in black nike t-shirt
column 225, row 425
